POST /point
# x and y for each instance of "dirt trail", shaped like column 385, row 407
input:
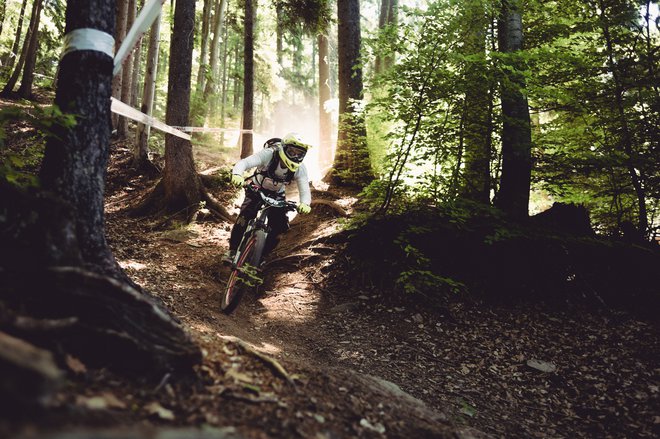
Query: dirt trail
column 468, row 363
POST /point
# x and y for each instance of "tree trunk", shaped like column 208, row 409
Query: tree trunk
column 218, row 23
column 25, row 51
column 382, row 21
column 237, row 78
column 623, row 131
column 25, row 90
column 225, row 83
column 135, row 76
column 180, row 180
column 126, row 74
column 352, row 164
column 248, row 78
column 3, row 10
column 477, row 110
column 515, row 182
column 9, row 60
column 325, row 119
column 392, row 21
column 75, row 159
column 120, row 33
column 140, row 157
column 279, row 37
column 206, row 19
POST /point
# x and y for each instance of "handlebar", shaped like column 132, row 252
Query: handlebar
column 273, row 202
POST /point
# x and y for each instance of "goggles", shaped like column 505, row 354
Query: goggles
column 294, row 152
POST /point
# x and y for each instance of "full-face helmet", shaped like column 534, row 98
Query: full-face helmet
column 293, row 151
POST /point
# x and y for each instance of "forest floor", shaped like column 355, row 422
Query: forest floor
column 310, row 355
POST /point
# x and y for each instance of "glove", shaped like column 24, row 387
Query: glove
column 304, row 208
column 237, row 180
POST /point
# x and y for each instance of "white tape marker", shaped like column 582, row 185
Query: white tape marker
column 211, row 130
column 88, row 39
column 125, row 110
column 142, row 23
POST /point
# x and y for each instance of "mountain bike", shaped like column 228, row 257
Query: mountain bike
column 245, row 265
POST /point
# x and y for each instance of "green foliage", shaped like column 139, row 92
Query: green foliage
column 583, row 152
column 586, row 141
column 18, row 165
column 305, row 16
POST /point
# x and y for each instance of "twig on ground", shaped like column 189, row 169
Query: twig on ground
column 273, row 363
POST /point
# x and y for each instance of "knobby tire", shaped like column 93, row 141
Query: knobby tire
column 235, row 289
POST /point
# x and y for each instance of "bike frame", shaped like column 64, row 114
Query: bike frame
column 260, row 221
column 250, row 248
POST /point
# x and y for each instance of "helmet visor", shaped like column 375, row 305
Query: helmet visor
column 294, row 152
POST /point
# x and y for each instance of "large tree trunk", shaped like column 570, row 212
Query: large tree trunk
column 352, row 164
column 25, row 90
column 477, row 113
column 34, row 23
column 140, row 158
column 515, row 182
column 325, row 118
column 248, row 78
column 8, row 61
column 120, row 33
column 180, row 180
column 206, row 26
column 55, row 261
column 126, row 74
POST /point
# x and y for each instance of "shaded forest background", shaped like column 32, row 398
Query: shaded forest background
column 548, row 101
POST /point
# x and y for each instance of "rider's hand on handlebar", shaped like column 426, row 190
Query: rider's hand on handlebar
column 304, row 208
column 237, row 180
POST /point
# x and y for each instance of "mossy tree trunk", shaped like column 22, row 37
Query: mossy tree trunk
column 352, row 165
column 325, row 118
column 515, row 181
column 477, row 113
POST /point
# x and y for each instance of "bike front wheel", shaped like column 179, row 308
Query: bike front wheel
column 235, row 287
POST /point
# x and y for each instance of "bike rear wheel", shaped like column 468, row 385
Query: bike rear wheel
column 235, row 287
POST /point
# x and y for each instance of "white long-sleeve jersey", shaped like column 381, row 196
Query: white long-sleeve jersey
column 261, row 160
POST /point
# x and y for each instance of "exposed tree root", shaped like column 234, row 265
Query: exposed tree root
column 271, row 362
column 156, row 204
column 107, row 322
column 297, row 258
column 216, row 208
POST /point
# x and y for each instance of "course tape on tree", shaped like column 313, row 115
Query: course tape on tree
column 96, row 40
column 211, row 130
column 88, row 39
column 142, row 23
column 125, row 110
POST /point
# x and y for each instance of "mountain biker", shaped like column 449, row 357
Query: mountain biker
column 276, row 166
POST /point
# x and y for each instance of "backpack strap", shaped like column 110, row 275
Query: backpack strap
column 272, row 166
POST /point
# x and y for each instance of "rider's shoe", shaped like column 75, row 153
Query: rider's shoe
column 228, row 258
